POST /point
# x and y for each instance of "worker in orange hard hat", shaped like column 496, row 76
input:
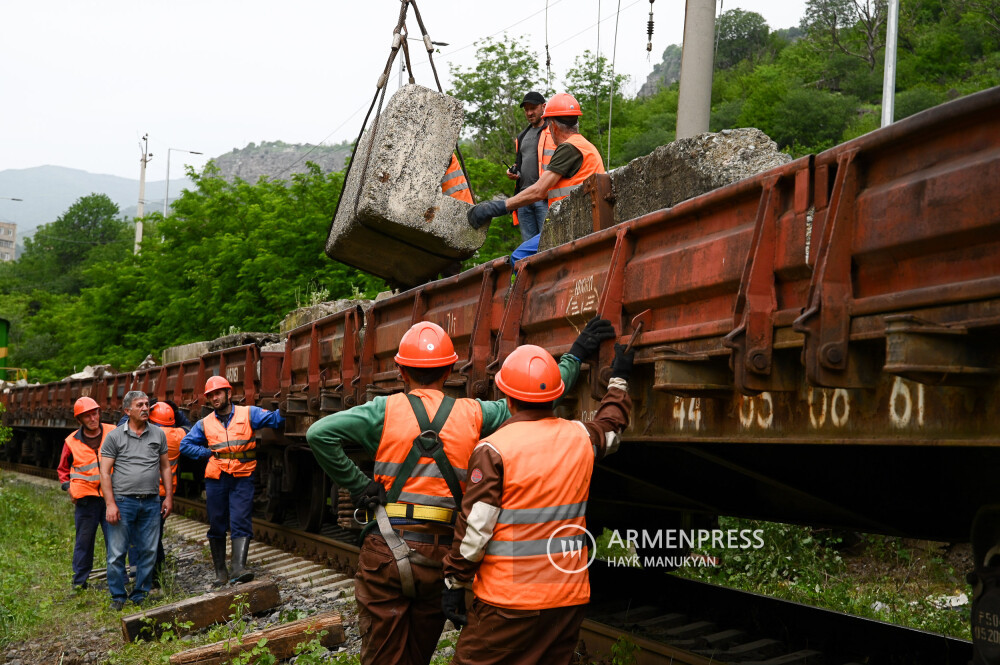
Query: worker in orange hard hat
column 226, row 438
column 529, row 484
column 420, row 440
column 163, row 416
column 80, row 475
column 574, row 160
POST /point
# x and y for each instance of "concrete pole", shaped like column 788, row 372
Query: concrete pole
column 694, row 106
column 140, row 209
column 889, row 78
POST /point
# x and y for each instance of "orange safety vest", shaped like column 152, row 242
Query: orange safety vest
column 537, row 557
column 546, row 148
column 460, row 434
column 592, row 163
column 85, row 474
column 174, row 436
column 454, row 183
column 232, row 440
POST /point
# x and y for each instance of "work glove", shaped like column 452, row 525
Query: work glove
column 481, row 214
column 372, row 496
column 621, row 366
column 453, row 606
column 65, row 486
column 587, row 342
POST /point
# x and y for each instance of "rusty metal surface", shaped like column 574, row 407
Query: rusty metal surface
column 835, row 314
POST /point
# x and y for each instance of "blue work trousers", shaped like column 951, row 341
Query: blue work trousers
column 531, row 218
column 139, row 525
column 88, row 515
column 230, row 506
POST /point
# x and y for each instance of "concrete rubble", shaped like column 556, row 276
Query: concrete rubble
column 403, row 228
column 303, row 315
column 670, row 174
column 91, row 372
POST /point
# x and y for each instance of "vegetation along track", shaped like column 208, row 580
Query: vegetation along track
column 636, row 615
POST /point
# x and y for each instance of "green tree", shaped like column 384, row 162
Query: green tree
column 492, row 92
column 90, row 230
column 855, row 28
column 592, row 82
column 741, row 35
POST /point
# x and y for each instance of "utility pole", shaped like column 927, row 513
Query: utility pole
column 889, row 76
column 694, row 105
column 146, row 156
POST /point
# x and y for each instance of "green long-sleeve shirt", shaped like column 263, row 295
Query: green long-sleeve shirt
column 362, row 426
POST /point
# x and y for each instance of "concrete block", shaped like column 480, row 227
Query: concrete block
column 303, row 315
column 242, row 339
column 395, row 222
column 184, row 352
column 670, row 174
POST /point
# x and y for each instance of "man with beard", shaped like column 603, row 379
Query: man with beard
column 227, row 436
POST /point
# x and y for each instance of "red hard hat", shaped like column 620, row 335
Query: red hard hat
column 162, row 414
column 216, row 383
column 426, row 344
column 562, row 104
column 530, row 374
column 83, row 405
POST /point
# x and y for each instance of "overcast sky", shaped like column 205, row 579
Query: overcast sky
column 82, row 80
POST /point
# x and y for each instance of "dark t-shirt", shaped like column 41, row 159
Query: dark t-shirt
column 566, row 160
column 529, row 156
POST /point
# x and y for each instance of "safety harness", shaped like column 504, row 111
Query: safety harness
column 426, row 444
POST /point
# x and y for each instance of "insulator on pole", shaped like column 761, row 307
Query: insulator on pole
column 649, row 28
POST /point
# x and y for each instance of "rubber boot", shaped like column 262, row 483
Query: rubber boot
column 240, row 572
column 218, row 546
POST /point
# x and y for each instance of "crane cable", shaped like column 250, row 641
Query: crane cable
column 548, row 57
column 597, row 88
column 398, row 42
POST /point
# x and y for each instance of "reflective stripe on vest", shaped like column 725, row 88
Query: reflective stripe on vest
column 454, row 183
column 592, row 163
column 85, row 472
column 546, row 148
column 459, row 435
column 174, row 436
column 237, row 437
column 539, row 550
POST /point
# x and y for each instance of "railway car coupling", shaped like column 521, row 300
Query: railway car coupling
column 985, row 581
column 218, row 547
column 240, row 572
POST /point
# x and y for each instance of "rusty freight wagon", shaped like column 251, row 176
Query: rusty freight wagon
column 820, row 346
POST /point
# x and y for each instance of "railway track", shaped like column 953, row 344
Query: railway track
column 668, row 619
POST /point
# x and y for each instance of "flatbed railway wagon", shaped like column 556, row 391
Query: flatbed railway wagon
column 820, row 345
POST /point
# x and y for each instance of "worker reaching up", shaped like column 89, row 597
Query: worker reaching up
column 574, row 160
column 421, row 441
column 528, row 488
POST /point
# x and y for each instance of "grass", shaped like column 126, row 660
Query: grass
column 880, row 577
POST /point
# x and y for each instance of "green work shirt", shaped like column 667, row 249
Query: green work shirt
column 362, row 426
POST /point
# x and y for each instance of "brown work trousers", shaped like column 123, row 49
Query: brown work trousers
column 496, row 635
column 396, row 629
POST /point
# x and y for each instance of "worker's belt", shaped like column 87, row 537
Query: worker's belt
column 432, row 538
column 245, row 454
column 416, row 511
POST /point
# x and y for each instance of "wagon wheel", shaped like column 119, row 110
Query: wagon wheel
column 310, row 502
column 274, row 502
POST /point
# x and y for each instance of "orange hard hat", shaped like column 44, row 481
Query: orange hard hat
column 530, row 374
column 562, row 104
column 83, row 405
column 162, row 414
column 426, row 344
column 216, row 383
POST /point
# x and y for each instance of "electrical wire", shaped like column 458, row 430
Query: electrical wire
column 309, row 152
column 611, row 97
column 574, row 36
column 597, row 59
